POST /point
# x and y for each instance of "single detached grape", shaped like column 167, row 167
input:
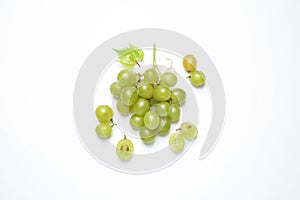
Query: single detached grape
column 174, row 113
column 151, row 76
column 115, row 89
column 164, row 126
column 188, row 130
column 189, row 63
column 129, row 95
column 123, row 109
column 176, row 142
column 128, row 79
column 151, row 120
column 146, row 90
column 180, row 95
column 124, row 149
column 162, row 109
column 168, row 79
column 137, row 122
column 103, row 130
column 104, row 113
column 147, row 135
column 141, row 107
column 162, row 93
column 197, row 78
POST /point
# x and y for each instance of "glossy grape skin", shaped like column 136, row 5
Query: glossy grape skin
column 128, row 79
column 151, row 120
column 129, row 95
column 123, row 109
column 164, row 126
column 120, row 74
column 174, row 113
column 189, row 63
column 124, row 149
column 146, row 90
column 115, row 89
column 151, row 76
column 168, row 79
column 147, row 136
column 188, row 130
column 162, row 109
column 197, row 78
column 136, row 122
column 176, row 142
column 103, row 130
column 180, row 95
column 141, row 107
column 104, row 113
column 161, row 93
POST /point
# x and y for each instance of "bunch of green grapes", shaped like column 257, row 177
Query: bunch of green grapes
column 187, row 131
column 104, row 115
column 149, row 100
column 197, row 78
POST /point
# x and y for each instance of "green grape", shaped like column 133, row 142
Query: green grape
column 168, row 79
column 130, row 56
column 176, row 142
column 164, row 126
column 153, row 101
column 103, row 130
column 188, row 130
column 151, row 76
column 162, row 109
column 147, row 135
column 137, row 122
column 197, row 78
column 123, row 109
column 146, row 90
column 174, row 113
column 162, row 93
column 120, row 74
column 128, row 78
column 104, row 113
column 180, row 95
column 115, row 89
column 129, row 95
column 173, row 99
column 124, row 149
column 141, row 106
column 151, row 120
column 189, row 63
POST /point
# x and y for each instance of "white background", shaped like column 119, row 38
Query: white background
column 255, row 46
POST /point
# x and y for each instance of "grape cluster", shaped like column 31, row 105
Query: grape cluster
column 197, row 78
column 149, row 100
column 104, row 115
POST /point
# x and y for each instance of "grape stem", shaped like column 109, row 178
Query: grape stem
column 178, row 129
column 138, row 64
column 154, row 59
column 125, row 137
column 188, row 77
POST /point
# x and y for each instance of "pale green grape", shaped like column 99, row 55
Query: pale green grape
column 168, row 79
column 189, row 63
column 180, row 95
column 129, row 95
column 104, row 113
column 162, row 93
column 128, row 78
column 123, row 109
column 176, row 142
column 103, row 130
column 124, row 149
column 151, row 76
column 197, row 78
column 164, row 126
column 151, row 120
column 115, row 89
column 141, row 106
column 174, row 113
column 147, row 135
column 153, row 101
column 120, row 74
column 146, row 90
column 162, row 109
column 188, row 130
column 137, row 122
